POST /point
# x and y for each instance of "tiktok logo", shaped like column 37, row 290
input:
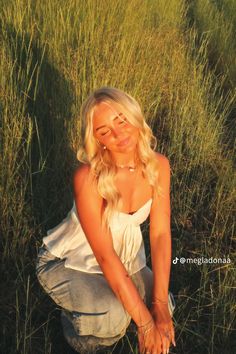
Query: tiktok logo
column 175, row 261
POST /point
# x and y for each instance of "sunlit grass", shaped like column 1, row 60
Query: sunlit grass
column 215, row 20
column 53, row 53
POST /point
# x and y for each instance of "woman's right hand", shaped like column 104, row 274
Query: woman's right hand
column 149, row 339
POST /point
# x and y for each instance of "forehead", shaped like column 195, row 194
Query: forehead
column 104, row 112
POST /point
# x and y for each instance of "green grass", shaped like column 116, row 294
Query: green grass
column 215, row 20
column 178, row 59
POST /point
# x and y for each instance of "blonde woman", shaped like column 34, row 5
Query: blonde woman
column 93, row 263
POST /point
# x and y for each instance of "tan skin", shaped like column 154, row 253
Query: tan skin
column 112, row 130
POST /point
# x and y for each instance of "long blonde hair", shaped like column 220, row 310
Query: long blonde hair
column 100, row 161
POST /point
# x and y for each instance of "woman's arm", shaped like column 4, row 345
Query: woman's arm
column 90, row 207
column 160, row 233
column 160, row 241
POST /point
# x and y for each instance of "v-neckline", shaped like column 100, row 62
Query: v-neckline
column 133, row 213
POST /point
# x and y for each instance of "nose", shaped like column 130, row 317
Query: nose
column 117, row 131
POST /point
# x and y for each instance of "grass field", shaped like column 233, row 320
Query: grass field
column 177, row 58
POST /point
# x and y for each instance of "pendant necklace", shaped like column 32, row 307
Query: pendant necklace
column 130, row 168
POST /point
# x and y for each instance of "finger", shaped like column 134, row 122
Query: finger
column 173, row 336
column 141, row 344
column 157, row 351
column 166, row 335
column 143, row 349
column 165, row 340
column 148, row 351
column 165, row 346
column 170, row 334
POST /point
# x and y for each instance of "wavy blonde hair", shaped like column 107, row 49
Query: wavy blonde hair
column 100, row 161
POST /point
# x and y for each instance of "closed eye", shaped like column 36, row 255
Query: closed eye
column 122, row 121
column 105, row 132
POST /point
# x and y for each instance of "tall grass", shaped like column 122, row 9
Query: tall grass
column 52, row 55
column 216, row 21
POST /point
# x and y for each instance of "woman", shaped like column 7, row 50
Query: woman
column 93, row 263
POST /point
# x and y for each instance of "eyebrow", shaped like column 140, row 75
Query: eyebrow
column 103, row 126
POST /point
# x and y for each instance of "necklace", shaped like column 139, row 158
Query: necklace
column 130, row 168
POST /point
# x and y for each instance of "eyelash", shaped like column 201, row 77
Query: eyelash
column 123, row 121
column 105, row 133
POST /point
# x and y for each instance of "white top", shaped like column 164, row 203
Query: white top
column 67, row 240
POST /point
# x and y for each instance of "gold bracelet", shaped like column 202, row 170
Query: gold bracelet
column 158, row 301
column 151, row 320
column 144, row 330
column 148, row 329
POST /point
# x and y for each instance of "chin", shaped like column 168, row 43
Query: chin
column 128, row 149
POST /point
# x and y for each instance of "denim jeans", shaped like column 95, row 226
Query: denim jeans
column 92, row 316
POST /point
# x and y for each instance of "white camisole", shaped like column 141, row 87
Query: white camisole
column 68, row 241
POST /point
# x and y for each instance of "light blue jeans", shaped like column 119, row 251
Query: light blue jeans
column 92, row 316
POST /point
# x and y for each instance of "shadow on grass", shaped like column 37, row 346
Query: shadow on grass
column 47, row 99
column 31, row 321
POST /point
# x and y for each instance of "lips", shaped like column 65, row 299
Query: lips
column 123, row 142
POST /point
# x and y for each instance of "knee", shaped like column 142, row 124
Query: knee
column 144, row 283
column 84, row 343
column 107, row 324
column 118, row 318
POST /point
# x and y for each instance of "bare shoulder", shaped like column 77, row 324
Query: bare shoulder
column 163, row 161
column 164, row 171
column 161, row 201
column 83, row 178
column 81, row 172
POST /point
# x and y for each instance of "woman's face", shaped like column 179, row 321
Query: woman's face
column 112, row 129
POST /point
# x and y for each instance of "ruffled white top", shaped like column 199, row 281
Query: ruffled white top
column 68, row 241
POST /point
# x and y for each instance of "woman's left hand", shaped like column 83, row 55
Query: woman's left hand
column 164, row 324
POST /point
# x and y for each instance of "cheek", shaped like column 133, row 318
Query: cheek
column 135, row 133
column 106, row 140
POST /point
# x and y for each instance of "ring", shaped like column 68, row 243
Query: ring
column 167, row 334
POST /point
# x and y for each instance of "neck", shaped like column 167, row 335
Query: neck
column 125, row 159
